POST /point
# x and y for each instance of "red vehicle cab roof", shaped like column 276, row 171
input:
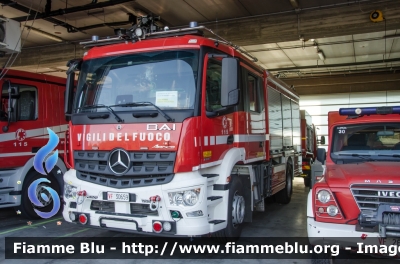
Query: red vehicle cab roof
column 34, row 77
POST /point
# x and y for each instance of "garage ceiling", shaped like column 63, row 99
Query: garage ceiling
column 286, row 36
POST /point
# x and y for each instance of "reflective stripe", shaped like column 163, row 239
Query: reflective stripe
column 30, row 133
column 248, row 138
column 212, row 140
column 220, row 140
column 17, row 154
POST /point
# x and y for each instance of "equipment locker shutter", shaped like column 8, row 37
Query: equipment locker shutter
column 275, row 119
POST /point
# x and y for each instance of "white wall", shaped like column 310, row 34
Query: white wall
column 318, row 106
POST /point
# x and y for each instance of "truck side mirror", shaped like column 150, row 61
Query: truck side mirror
column 230, row 82
column 322, row 140
column 321, row 155
column 74, row 65
column 10, row 91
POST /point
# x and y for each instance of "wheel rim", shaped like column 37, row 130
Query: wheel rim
column 42, row 190
column 238, row 210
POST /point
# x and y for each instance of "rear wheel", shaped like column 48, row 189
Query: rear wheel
column 236, row 213
column 285, row 195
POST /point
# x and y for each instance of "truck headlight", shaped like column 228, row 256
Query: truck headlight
column 324, row 196
column 70, row 191
column 184, row 198
column 332, row 210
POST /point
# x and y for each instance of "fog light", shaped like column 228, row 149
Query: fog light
column 72, row 216
column 82, row 219
column 157, row 227
column 332, row 210
column 321, row 210
column 195, row 213
column 167, row 226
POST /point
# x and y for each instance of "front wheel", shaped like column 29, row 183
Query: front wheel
column 27, row 208
column 236, row 213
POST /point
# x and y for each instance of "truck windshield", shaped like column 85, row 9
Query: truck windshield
column 366, row 142
column 166, row 79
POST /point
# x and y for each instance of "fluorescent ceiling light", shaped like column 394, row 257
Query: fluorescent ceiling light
column 321, row 55
column 294, row 3
column 45, row 34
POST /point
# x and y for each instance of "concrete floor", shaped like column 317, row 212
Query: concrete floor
column 277, row 221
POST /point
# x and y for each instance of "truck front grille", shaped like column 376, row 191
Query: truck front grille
column 369, row 197
column 124, row 181
column 141, row 163
column 145, row 168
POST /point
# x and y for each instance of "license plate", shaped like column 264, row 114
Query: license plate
column 112, row 196
column 389, row 241
column 387, row 249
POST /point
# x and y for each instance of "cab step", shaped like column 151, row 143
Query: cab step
column 216, row 222
column 212, row 198
column 210, row 175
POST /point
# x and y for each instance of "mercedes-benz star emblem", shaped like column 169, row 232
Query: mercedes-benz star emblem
column 119, row 161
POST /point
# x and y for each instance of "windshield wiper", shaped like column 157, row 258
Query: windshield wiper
column 169, row 119
column 390, row 155
column 119, row 120
column 362, row 156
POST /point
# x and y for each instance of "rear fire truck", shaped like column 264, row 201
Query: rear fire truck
column 30, row 103
column 357, row 199
column 308, row 146
column 175, row 134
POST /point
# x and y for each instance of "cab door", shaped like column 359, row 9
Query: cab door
column 26, row 135
column 218, row 127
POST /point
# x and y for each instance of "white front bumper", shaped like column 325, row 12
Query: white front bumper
column 339, row 234
column 122, row 218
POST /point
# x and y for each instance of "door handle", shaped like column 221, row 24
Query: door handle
column 229, row 140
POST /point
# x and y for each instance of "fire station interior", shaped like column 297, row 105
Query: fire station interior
column 333, row 53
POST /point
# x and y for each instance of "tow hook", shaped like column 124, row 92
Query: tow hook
column 155, row 202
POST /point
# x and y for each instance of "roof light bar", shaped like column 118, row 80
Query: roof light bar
column 384, row 110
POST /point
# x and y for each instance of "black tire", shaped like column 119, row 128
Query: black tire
column 321, row 258
column 27, row 208
column 235, row 203
column 284, row 196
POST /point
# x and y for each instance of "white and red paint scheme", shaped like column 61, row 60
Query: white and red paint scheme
column 38, row 105
column 210, row 166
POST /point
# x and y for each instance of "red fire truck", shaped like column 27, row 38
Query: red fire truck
column 172, row 133
column 357, row 198
column 30, row 103
column 308, row 145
